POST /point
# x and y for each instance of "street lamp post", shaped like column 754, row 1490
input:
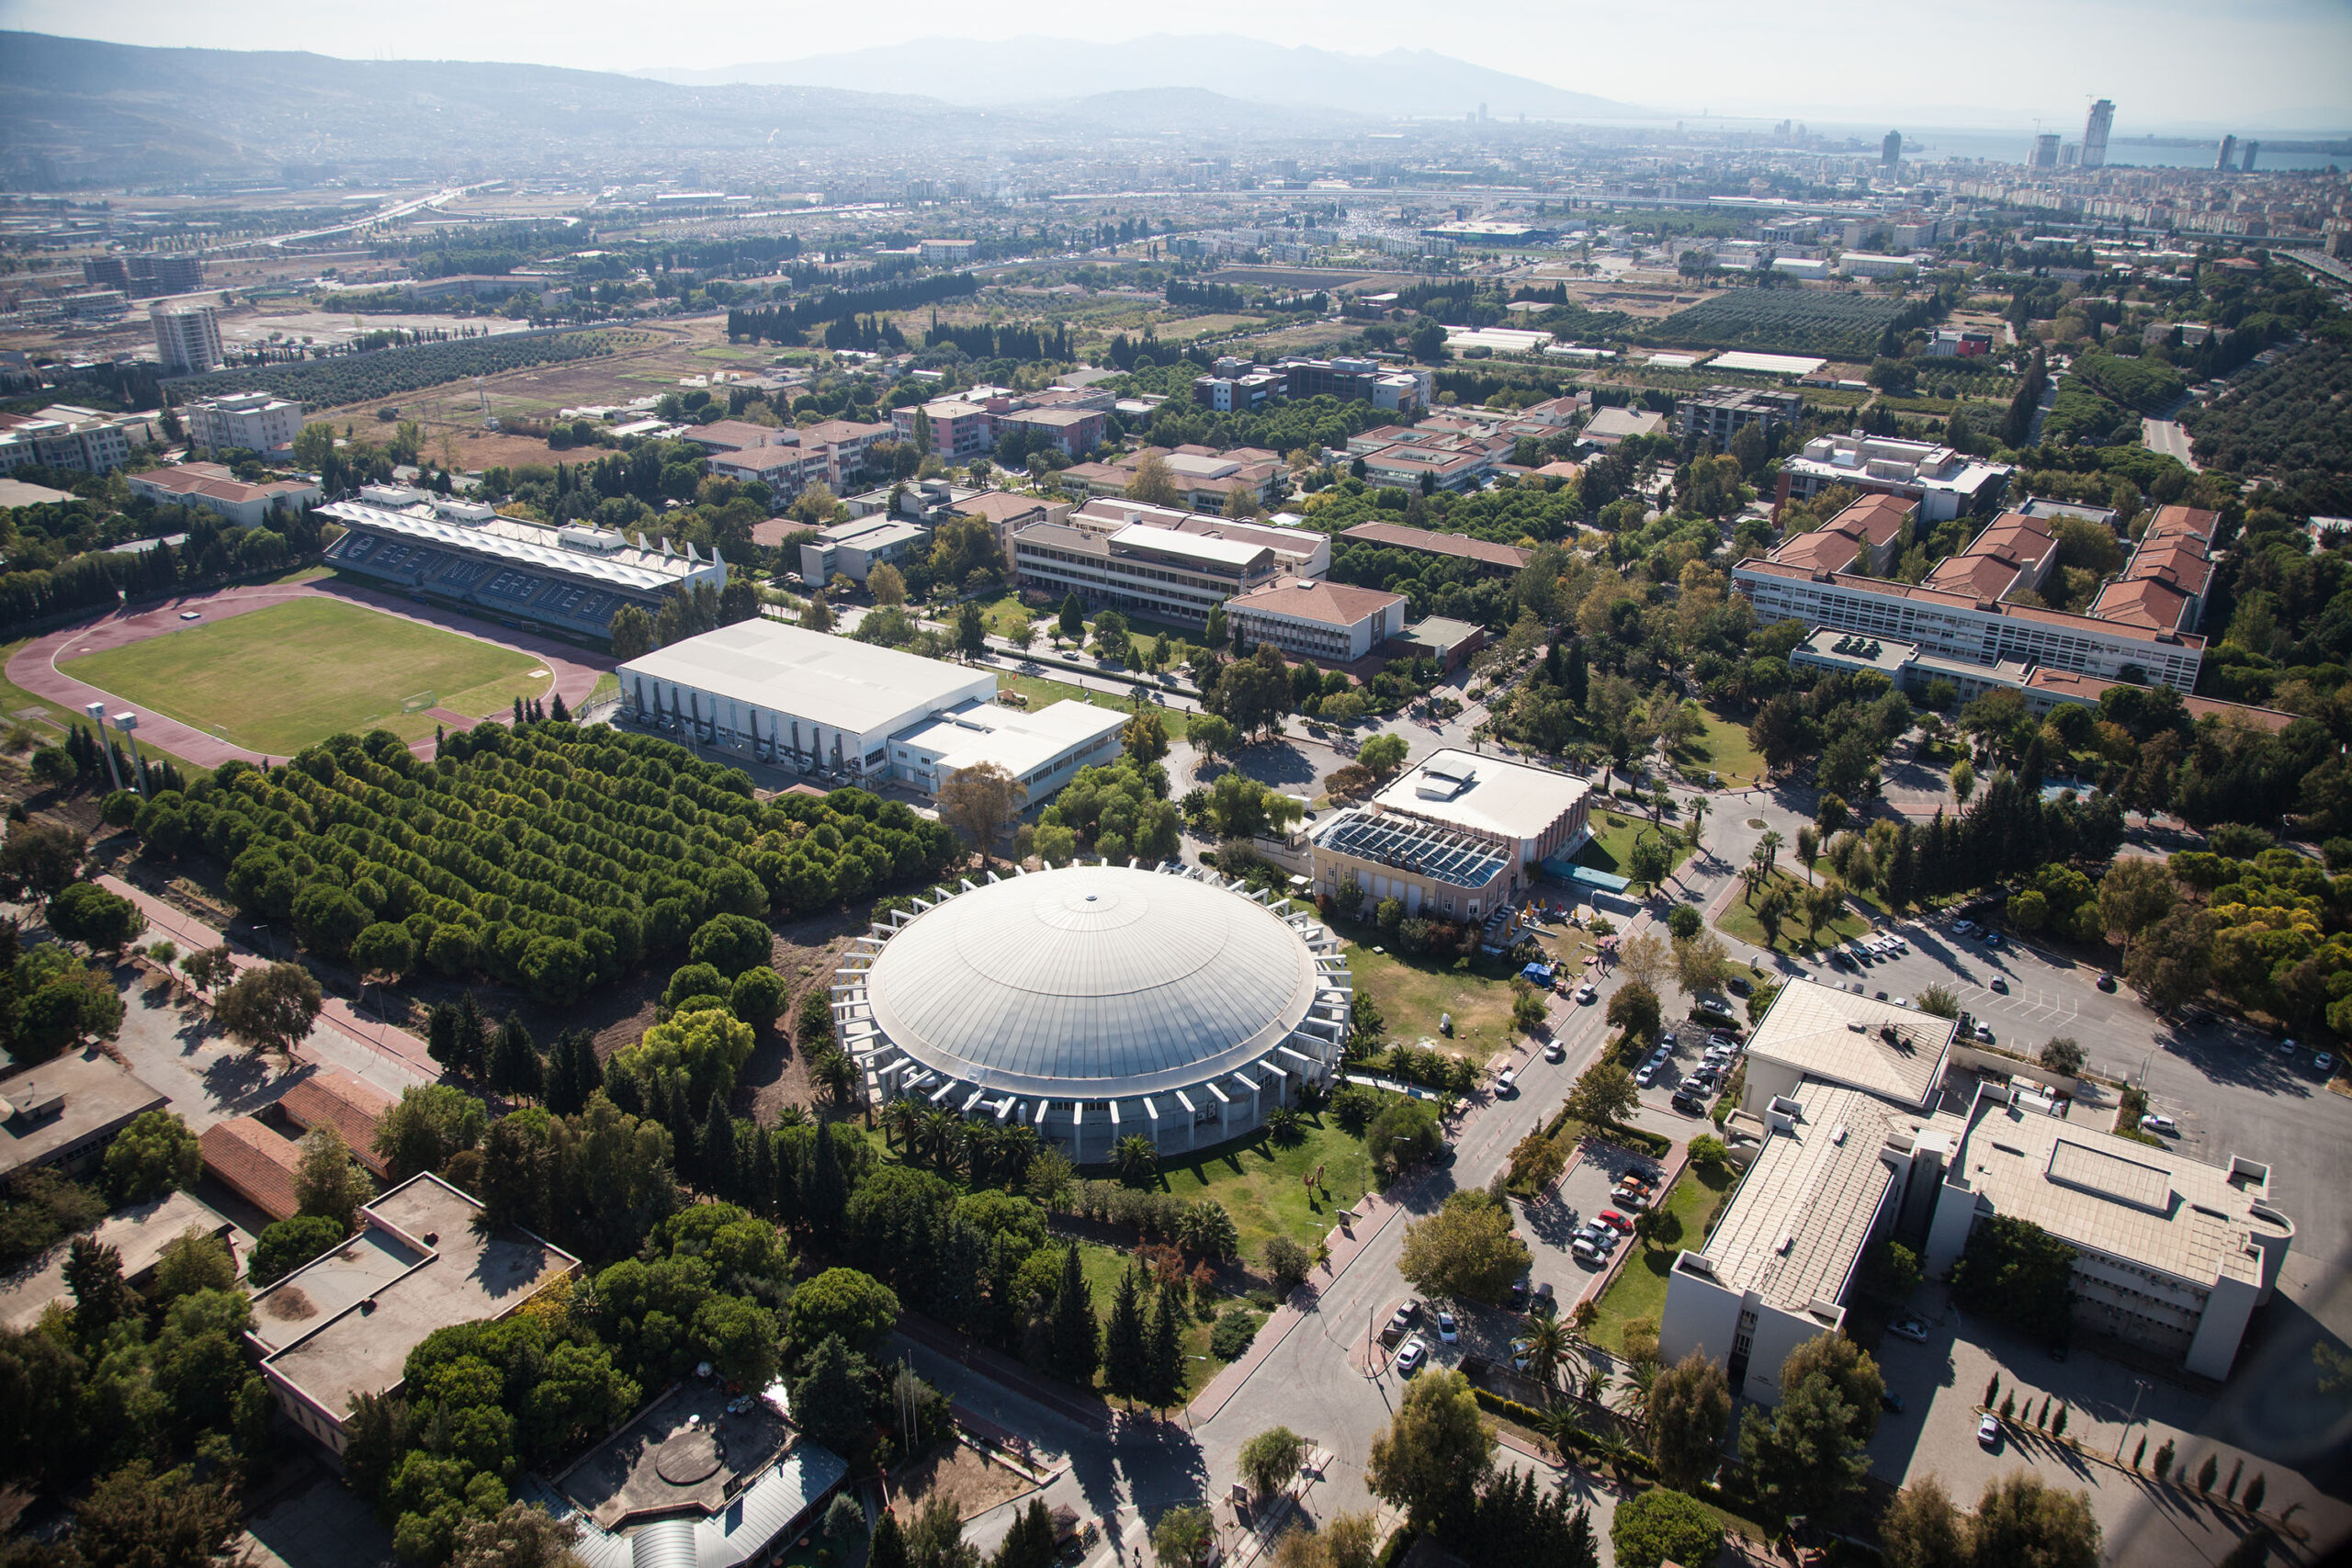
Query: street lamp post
column 2138, row 1387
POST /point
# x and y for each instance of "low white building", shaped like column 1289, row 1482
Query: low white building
column 1944, row 481
column 824, row 704
column 1545, row 813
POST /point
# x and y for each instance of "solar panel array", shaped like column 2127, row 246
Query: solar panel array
column 1455, row 859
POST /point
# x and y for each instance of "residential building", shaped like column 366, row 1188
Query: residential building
column 1539, row 813
column 777, row 693
column 950, row 252
column 1960, row 625
column 423, row 1258
column 1073, row 432
column 1945, row 482
column 576, row 577
column 1491, row 559
column 1869, row 536
column 853, row 550
column 1609, row 426
column 255, row 421
column 60, row 1114
column 2096, row 127
column 187, row 338
column 96, row 305
column 215, row 488
column 1316, row 619
column 1724, row 412
column 1169, row 573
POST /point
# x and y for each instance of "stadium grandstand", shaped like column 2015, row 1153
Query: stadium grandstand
column 569, row 577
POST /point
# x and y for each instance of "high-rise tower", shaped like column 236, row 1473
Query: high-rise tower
column 2095, row 130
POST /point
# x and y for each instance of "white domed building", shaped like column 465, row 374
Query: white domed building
column 1097, row 1002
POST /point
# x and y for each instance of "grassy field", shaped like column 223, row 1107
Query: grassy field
column 1739, row 920
column 277, row 680
column 1412, row 992
column 1611, row 849
column 1102, row 1265
column 1725, row 751
column 1040, row 692
column 1639, row 1290
column 1264, row 1185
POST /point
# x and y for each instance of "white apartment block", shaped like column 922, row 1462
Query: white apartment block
column 187, row 338
column 254, row 420
column 95, row 445
column 1960, row 625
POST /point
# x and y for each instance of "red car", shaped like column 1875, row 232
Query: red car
column 1615, row 1221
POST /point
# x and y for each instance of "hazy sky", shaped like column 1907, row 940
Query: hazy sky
column 2243, row 64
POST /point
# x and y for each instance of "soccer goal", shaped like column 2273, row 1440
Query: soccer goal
column 418, row 703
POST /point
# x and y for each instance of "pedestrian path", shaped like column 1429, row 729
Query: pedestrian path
column 397, row 1046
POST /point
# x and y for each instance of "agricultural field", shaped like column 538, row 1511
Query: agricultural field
column 391, row 373
column 1788, row 320
column 277, row 680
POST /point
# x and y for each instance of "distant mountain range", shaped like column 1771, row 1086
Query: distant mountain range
column 1408, row 83
column 76, row 111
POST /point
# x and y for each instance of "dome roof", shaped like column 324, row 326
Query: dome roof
column 1091, row 982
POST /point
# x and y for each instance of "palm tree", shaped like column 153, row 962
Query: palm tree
column 1549, row 1343
column 900, row 1119
column 1559, row 1427
column 1634, row 1389
column 1770, row 844
column 1136, row 1159
column 1752, row 875
column 1698, row 819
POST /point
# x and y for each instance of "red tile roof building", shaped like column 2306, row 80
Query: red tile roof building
column 349, row 1104
column 1321, row 620
column 255, row 1162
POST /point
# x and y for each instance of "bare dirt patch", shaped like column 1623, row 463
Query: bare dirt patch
column 962, row 1474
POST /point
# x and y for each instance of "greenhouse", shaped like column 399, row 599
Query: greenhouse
column 1096, row 1003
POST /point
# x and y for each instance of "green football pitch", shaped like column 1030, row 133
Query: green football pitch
column 276, row 680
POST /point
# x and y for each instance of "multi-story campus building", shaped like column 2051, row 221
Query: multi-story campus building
column 81, row 441
column 1456, row 837
column 1844, row 1141
column 1722, row 412
column 1170, row 573
column 1310, row 618
column 220, row 492
column 256, row 421
column 1491, row 558
column 1946, row 483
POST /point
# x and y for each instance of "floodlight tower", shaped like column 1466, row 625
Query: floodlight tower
column 97, row 712
column 127, row 721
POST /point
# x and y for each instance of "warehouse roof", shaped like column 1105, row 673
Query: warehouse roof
column 853, row 686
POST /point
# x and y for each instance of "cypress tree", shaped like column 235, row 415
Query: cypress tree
column 1127, row 1365
column 625, row 1089
column 518, row 712
column 441, row 1035
column 473, row 1037
column 514, row 1059
column 556, row 711
column 1579, row 679
column 888, row 1547
column 1073, row 1335
column 758, row 1175
column 1164, row 1353
column 715, row 1151
column 823, row 1191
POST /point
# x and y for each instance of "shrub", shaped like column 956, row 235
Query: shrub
column 1660, row 1525
column 1236, row 1326
column 287, row 1246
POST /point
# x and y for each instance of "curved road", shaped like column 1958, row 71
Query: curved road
column 34, row 667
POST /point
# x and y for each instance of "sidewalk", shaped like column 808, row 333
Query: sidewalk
column 404, row 1049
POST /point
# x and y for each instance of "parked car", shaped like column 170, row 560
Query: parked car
column 1988, row 1431
column 1519, row 1295
column 1689, row 1104
column 1739, row 986
column 1615, row 1221
column 1694, row 1085
column 1890, row 1402
column 1912, row 1328
column 1630, row 1198
column 1555, row 1051
column 1544, row 1304
column 1519, row 1358
column 1997, row 983
column 1448, row 1327
column 2323, row 1060
column 1983, row 1033
column 2106, row 981
column 2162, row 1125
column 1409, row 1360
column 1963, row 927
column 1585, row 1249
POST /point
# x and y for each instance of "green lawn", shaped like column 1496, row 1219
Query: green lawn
column 1723, row 750
column 1041, row 692
column 1611, row 848
column 277, row 680
column 1102, row 1265
column 1639, row 1290
column 1413, row 990
column 1264, row 1185
column 1739, row 919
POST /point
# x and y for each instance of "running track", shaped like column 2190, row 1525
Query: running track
column 34, row 667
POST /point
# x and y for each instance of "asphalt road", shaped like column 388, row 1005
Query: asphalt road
column 2166, row 435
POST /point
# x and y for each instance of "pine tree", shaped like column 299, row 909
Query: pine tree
column 1030, row 1543
column 1126, row 1367
column 441, row 1035
column 888, row 1547
column 759, row 1174
column 1164, row 1353
column 1074, row 1336
column 518, row 712
column 1579, row 681
column 556, row 711
column 715, row 1152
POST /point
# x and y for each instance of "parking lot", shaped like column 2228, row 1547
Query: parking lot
column 1685, row 1057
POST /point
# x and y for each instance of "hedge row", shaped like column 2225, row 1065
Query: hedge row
column 550, row 856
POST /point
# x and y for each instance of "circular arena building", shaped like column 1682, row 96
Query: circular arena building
column 1097, row 1002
